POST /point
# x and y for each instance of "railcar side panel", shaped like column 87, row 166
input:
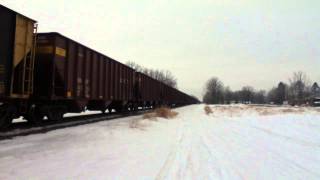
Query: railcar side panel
column 101, row 77
column 60, row 65
column 107, row 78
column 71, row 66
column 93, row 72
column 117, row 81
column 80, row 78
column 87, row 74
column 111, row 80
column 7, row 29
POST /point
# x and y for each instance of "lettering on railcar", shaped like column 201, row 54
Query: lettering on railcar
column 69, row 94
column 50, row 49
column 61, row 52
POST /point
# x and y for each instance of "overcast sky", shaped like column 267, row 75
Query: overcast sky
column 248, row 42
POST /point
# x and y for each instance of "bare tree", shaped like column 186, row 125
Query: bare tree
column 213, row 91
column 236, row 96
column 259, row 97
column 228, row 95
column 134, row 66
column 272, row 95
column 163, row 76
column 298, row 90
column 246, row 94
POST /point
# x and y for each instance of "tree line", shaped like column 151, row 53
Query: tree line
column 298, row 90
column 164, row 76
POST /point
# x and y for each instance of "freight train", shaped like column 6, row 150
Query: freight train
column 48, row 74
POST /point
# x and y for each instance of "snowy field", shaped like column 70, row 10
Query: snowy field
column 234, row 142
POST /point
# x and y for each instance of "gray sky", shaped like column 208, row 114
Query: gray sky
column 248, row 42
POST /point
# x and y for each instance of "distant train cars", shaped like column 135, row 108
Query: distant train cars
column 48, row 74
column 150, row 92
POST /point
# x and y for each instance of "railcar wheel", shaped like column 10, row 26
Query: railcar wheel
column 6, row 116
column 119, row 109
column 59, row 115
column 134, row 108
column 35, row 116
column 103, row 111
column 56, row 113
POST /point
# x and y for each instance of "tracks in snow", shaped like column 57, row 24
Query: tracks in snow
column 222, row 148
column 192, row 157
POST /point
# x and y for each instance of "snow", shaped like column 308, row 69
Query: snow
column 21, row 119
column 235, row 142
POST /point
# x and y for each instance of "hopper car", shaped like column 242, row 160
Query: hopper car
column 49, row 74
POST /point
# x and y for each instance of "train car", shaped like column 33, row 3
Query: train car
column 70, row 76
column 48, row 74
column 152, row 93
column 17, row 42
column 148, row 91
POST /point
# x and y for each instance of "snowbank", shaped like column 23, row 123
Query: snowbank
column 234, row 142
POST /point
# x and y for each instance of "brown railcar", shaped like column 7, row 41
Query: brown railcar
column 17, row 40
column 76, row 76
column 152, row 93
column 149, row 91
column 52, row 74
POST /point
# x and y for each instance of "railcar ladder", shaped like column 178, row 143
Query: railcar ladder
column 22, row 78
column 28, row 73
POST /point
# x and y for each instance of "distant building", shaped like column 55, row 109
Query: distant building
column 315, row 101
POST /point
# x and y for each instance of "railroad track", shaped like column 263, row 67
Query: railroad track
column 24, row 128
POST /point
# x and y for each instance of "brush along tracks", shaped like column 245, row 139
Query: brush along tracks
column 162, row 112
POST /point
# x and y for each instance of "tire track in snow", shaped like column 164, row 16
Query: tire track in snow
column 227, row 170
column 189, row 159
column 179, row 163
column 208, row 149
column 162, row 174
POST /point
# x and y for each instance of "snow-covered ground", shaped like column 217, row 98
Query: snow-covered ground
column 235, row 142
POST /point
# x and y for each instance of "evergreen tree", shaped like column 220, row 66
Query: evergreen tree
column 315, row 90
